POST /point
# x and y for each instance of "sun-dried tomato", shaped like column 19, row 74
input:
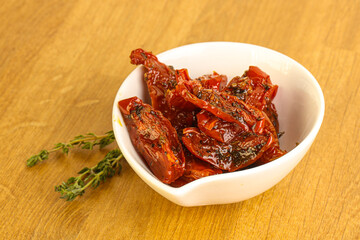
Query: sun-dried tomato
column 175, row 100
column 256, row 89
column 226, row 107
column 161, row 79
column 195, row 169
column 240, row 87
column 217, row 128
column 155, row 139
column 271, row 112
column 158, row 76
column 269, row 155
column 183, row 74
column 213, row 81
column 241, row 152
column 255, row 72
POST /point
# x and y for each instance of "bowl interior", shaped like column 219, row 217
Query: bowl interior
column 299, row 100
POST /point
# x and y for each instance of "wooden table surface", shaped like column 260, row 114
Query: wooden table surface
column 61, row 63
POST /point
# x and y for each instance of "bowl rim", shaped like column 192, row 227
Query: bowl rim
column 165, row 189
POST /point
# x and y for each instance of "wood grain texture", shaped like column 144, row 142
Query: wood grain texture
column 61, row 63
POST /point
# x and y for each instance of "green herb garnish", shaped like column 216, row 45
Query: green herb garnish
column 106, row 168
column 88, row 177
column 87, row 141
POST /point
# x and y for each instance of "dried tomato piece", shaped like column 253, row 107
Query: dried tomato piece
column 175, row 100
column 255, row 72
column 139, row 56
column 154, row 138
column 161, row 79
column 216, row 104
column 217, row 128
column 213, row 81
column 239, row 87
column 269, row 155
column 158, row 76
column 256, row 89
column 195, row 169
column 226, row 107
column 271, row 112
column 241, row 152
column 179, row 182
column 183, row 74
column 181, row 119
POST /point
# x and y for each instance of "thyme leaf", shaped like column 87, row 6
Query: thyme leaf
column 91, row 177
column 87, row 141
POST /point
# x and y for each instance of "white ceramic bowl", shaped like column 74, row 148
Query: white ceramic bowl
column 300, row 105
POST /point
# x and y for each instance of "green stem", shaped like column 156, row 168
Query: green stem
column 96, row 175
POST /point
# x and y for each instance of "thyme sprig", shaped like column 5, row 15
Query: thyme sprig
column 106, row 168
column 87, row 141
